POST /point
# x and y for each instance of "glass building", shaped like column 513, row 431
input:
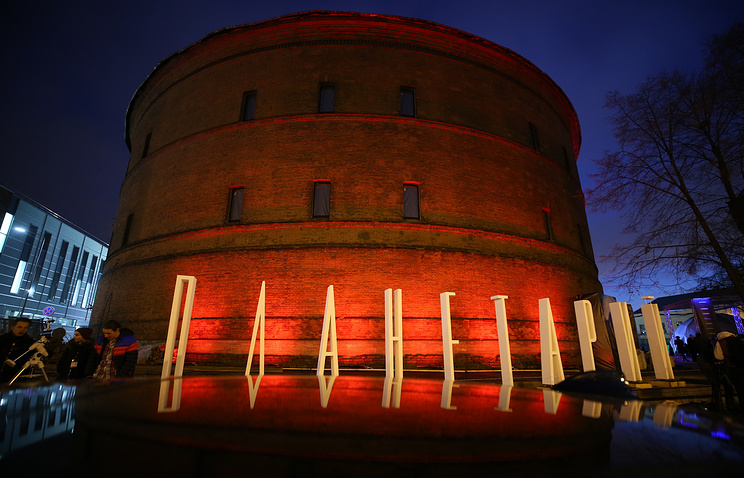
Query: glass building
column 49, row 268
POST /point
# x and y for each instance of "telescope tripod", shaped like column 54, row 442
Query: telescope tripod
column 33, row 362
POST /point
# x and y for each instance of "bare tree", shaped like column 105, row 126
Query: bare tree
column 678, row 175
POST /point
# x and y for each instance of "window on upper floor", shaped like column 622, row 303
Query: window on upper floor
column 548, row 226
column 407, row 101
column 127, row 230
column 235, row 203
column 411, row 200
column 248, row 110
column 534, row 137
column 62, row 255
column 326, row 98
column 321, row 198
column 146, row 148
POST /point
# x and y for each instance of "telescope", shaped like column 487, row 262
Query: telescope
column 39, row 351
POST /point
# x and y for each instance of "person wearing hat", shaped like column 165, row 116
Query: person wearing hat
column 75, row 357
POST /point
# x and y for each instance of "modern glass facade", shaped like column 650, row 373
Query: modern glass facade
column 49, row 268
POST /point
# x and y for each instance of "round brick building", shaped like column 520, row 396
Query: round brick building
column 361, row 151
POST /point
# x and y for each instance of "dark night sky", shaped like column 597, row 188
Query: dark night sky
column 71, row 67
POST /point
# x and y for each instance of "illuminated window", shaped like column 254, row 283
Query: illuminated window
column 407, row 101
column 146, row 149
column 25, row 256
column 548, row 226
column 327, row 99
column 235, row 205
column 321, row 198
column 410, row 200
column 249, row 106
column 4, row 228
column 79, row 280
column 534, row 137
column 88, row 282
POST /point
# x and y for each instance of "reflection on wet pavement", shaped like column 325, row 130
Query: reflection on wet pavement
column 283, row 425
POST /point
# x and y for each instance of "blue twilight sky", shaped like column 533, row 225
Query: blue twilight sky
column 71, row 67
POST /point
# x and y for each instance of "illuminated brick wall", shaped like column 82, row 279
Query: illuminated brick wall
column 486, row 185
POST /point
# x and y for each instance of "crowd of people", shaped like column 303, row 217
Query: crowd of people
column 113, row 354
column 721, row 359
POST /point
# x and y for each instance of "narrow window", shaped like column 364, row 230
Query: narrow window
column 548, row 227
column 79, row 280
column 70, row 274
column 407, row 101
column 327, row 99
column 87, row 286
column 321, row 198
column 28, row 244
column 4, row 228
column 410, row 200
column 235, row 205
column 534, row 138
column 127, row 230
column 40, row 260
column 249, row 106
column 58, row 270
column 146, row 149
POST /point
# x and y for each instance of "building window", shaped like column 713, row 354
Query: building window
column 70, row 274
column 28, row 244
column 407, row 101
column 326, row 99
column 146, row 149
column 79, row 280
column 88, row 284
column 249, row 106
column 321, row 198
column 127, row 230
column 235, row 203
column 548, row 226
column 58, row 270
column 40, row 260
column 534, row 138
column 4, row 228
column 411, row 200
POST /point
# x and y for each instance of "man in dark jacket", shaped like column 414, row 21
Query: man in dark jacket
column 115, row 353
column 13, row 345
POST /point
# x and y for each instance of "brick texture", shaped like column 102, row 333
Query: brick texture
column 483, row 193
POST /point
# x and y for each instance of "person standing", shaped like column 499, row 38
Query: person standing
column 12, row 345
column 74, row 360
column 114, row 354
column 730, row 350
